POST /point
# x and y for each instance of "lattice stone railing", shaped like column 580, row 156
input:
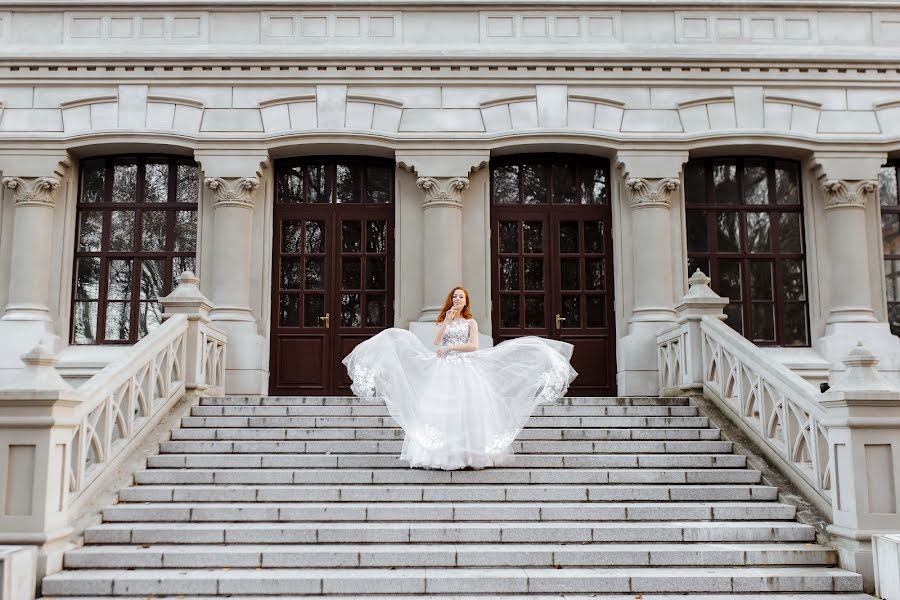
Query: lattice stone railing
column 61, row 442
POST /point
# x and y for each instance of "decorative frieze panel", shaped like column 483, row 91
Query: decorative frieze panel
column 736, row 27
column 531, row 27
column 283, row 27
column 177, row 27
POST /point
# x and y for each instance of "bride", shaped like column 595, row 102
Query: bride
column 459, row 406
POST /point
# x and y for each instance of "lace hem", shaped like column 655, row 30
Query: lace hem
column 555, row 382
column 363, row 381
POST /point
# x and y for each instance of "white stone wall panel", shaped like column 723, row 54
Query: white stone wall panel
column 244, row 119
column 50, row 96
column 331, row 106
column 276, row 118
column 694, row 118
column 251, row 97
column 228, row 27
column 77, row 119
column 848, row 121
column 552, row 105
column 607, row 117
column 496, row 118
column 581, row 115
column 749, row 107
column 34, row 119
column 386, row 118
column 410, row 97
column 651, row 120
column 845, row 27
column 25, row 24
column 160, row 115
column 359, row 115
column 132, row 106
column 17, row 97
column 648, row 27
column 524, row 115
column 303, row 115
column 105, row 115
column 889, row 120
column 451, row 119
column 467, row 96
column 778, row 116
column 211, row 96
column 867, row 99
column 187, row 118
column 666, row 97
column 721, row 116
column 632, row 96
column 804, row 119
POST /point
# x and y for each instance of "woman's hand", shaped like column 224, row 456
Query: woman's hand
column 451, row 315
column 441, row 352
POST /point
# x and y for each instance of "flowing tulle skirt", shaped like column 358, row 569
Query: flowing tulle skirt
column 465, row 409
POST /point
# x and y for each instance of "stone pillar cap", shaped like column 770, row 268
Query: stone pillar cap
column 186, row 298
column 861, row 375
column 701, row 299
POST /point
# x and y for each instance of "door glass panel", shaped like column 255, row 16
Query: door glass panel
column 348, row 184
column 534, row 274
column 758, row 232
column 378, row 184
column 119, row 280
column 509, row 311
column 793, row 281
column 319, row 184
column 121, row 231
column 375, row 276
column 149, row 317
column 795, row 324
column 725, row 181
column 569, row 275
column 376, row 237
column 787, row 184
column 289, row 313
column 291, row 185
column 763, row 322
column 571, row 311
column 350, row 309
column 350, row 274
column 85, row 322
column 594, row 188
column 730, row 280
column 93, row 184
column 697, row 233
column 291, row 235
column 153, row 278
column 185, row 231
column 533, row 236
column 534, row 184
column 564, row 184
column 351, row 236
column 509, row 273
column 593, row 237
column 87, row 278
column 568, row 237
column 375, row 311
column 156, row 181
column 315, row 237
column 594, row 274
column 187, row 184
column 153, row 230
column 756, row 182
column 118, row 320
column 90, row 230
column 734, row 317
column 596, row 310
column 761, row 281
column 313, row 308
column 124, row 182
column 315, row 274
column 534, row 312
column 509, row 237
column 290, row 273
column 790, row 238
column 729, row 235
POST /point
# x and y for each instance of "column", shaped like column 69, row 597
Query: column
column 651, row 184
column 847, row 188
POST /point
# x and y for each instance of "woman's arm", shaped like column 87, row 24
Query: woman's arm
column 441, row 329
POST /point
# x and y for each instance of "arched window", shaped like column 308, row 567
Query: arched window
column 137, row 231
column 745, row 230
column 890, row 234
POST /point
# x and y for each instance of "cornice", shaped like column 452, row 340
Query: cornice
column 443, row 4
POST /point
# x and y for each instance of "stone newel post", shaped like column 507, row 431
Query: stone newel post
column 864, row 451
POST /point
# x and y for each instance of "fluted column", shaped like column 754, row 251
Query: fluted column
column 442, row 204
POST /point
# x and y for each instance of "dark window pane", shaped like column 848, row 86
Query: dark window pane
column 594, row 187
column 695, row 182
column 87, row 278
column 348, row 184
column 153, row 230
column 350, row 307
column 291, row 184
column 887, row 186
column 319, row 184
column 375, row 273
column 118, row 320
column 290, row 273
column 756, row 182
column 288, row 310
column 351, row 236
column 509, row 311
column 153, row 278
column 376, row 236
column 85, row 318
column 534, row 275
column 119, row 280
column 891, row 280
column 698, row 263
column 180, row 264
column 568, row 236
column 509, row 237
column 186, row 231
column 93, row 186
column 729, row 235
column 569, row 274
column 791, row 238
column 291, row 237
column 725, row 181
column 894, row 317
column 564, row 184
column 314, row 277
column 313, row 308
column 730, row 280
column 734, row 317
column 787, row 184
column 124, row 181
column 350, row 274
column 793, row 280
column 890, row 233
column 315, row 237
column 90, row 230
column 759, row 230
column 149, row 317
column 762, row 285
column 534, row 312
column 121, row 231
column 697, row 231
column 533, row 234
column 187, row 184
column 593, row 237
column 375, row 311
column 594, row 277
column 795, row 333
column 763, row 322
column 506, row 184
column 509, row 273
column 534, row 184
column 378, row 184
column 571, row 311
column 156, row 181
column 596, row 311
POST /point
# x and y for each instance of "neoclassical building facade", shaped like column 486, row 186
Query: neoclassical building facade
column 332, row 169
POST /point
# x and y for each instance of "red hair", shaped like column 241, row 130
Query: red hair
column 466, row 311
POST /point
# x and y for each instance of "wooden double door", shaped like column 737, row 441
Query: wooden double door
column 333, row 270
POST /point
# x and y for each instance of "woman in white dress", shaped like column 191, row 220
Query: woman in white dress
column 459, row 406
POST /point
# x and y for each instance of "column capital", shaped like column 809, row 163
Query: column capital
column 841, row 193
column 33, row 191
column 644, row 193
column 232, row 191
column 445, row 191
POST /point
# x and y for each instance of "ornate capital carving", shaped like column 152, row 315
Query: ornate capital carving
column 840, row 193
column 443, row 191
column 643, row 193
column 233, row 191
column 34, row 191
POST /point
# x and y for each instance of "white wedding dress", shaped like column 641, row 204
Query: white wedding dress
column 466, row 408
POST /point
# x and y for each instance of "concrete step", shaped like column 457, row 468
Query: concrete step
column 447, row 555
column 383, row 461
column 448, row 532
column 401, row 475
column 374, row 410
column 172, row 512
column 452, row 581
column 393, row 447
column 448, row 493
column 352, row 400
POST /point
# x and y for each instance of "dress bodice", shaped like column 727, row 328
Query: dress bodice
column 457, row 333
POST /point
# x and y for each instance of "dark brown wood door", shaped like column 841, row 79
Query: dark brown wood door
column 552, row 260
column 332, row 270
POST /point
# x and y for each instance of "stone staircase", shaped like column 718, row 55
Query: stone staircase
column 302, row 497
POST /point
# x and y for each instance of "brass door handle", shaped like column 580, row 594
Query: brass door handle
column 558, row 320
column 327, row 319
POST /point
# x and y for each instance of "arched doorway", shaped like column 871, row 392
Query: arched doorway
column 333, row 268
column 551, row 256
